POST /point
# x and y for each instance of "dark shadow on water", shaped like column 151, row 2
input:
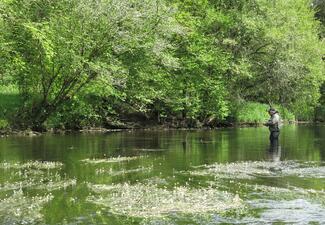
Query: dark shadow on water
column 274, row 150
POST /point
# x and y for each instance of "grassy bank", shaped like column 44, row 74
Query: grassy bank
column 256, row 113
column 9, row 102
column 250, row 113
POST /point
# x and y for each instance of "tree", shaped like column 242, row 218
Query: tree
column 198, row 91
column 64, row 45
column 277, row 52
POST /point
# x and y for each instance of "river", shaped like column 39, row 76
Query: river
column 223, row 176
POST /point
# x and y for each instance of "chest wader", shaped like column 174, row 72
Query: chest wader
column 274, row 132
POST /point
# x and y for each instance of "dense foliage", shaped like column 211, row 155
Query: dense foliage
column 319, row 6
column 81, row 63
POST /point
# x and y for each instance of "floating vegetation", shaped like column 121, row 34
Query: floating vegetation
column 251, row 170
column 110, row 160
column 151, row 149
column 58, row 184
column 112, row 172
column 314, row 172
column 156, row 181
column 196, row 196
column 31, row 165
column 34, row 175
column 145, row 201
column 44, row 184
column 288, row 193
column 238, row 170
column 297, row 211
column 20, row 209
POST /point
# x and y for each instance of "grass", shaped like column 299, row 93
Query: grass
column 9, row 102
column 253, row 112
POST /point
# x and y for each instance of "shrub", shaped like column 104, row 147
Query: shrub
column 254, row 112
column 3, row 124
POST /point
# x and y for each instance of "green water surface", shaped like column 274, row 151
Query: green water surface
column 224, row 176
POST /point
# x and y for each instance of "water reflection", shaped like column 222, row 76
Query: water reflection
column 319, row 133
column 274, row 150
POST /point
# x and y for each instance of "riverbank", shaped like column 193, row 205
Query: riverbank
column 31, row 133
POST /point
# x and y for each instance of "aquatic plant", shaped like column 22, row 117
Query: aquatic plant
column 21, row 209
column 58, row 184
column 286, row 193
column 112, row 172
column 146, row 200
column 151, row 149
column 110, row 160
column 31, row 165
column 156, row 181
column 34, row 175
column 314, row 172
column 251, row 170
column 43, row 184
column 296, row 211
column 237, row 170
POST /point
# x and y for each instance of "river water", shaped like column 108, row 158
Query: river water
column 224, row 176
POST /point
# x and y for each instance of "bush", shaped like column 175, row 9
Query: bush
column 3, row 124
column 285, row 113
column 254, row 112
column 77, row 113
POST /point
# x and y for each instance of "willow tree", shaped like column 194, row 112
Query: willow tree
column 277, row 54
column 63, row 45
column 297, row 70
column 5, row 47
column 197, row 90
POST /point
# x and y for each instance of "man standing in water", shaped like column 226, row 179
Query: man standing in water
column 273, row 123
column 274, row 152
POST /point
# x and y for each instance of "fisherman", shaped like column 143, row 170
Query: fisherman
column 274, row 124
